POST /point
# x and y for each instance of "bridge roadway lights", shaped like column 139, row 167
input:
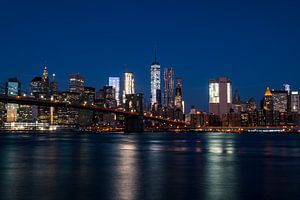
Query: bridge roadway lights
column 134, row 124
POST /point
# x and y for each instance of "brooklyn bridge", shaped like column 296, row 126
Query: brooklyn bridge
column 134, row 121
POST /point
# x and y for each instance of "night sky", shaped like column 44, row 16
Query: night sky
column 254, row 43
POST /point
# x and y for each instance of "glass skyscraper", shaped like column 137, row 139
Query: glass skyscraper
column 115, row 83
column 128, row 84
column 169, row 87
column 155, row 82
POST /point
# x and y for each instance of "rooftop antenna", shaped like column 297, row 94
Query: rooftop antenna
column 155, row 51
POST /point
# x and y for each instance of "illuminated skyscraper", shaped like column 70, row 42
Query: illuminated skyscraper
column 45, row 82
column 220, row 96
column 54, row 87
column 169, row 87
column 268, row 100
column 178, row 97
column 115, row 83
column 155, row 82
column 295, row 102
column 267, row 107
column 13, row 88
column 280, row 100
column 76, row 84
column 128, row 85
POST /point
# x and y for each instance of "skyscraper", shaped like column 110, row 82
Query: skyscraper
column 178, row 97
column 128, row 85
column 13, row 88
column 54, row 86
column 169, row 87
column 280, row 100
column 267, row 106
column 76, row 84
column 220, row 96
column 45, row 82
column 295, row 102
column 155, row 81
column 115, row 83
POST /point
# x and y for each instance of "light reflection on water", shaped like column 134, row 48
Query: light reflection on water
column 149, row 166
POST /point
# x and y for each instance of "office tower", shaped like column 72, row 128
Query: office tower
column 169, row 87
column 237, row 105
column 66, row 115
column 220, row 96
column 155, row 82
column 85, row 117
column 178, row 97
column 115, row 83
column 128, row 85
column 12, row 88
column 54, row 87
column 89, row 95
column 295, row 102
column 268, row 100
column 45, row 82
column 36, row 87
column 251, row 105
column 236, row 97
column 280, row 100
column 76, row 84
column 268, row 112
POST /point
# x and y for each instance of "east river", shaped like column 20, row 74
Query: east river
column 149, row 166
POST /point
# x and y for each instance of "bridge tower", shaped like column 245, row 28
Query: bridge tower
column 134, row 103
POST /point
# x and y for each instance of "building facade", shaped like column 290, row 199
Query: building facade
column 115, row 83
column 220, row 96
column 12, row 88
column 76, row 84
column 155, row 82
column 169, row 87
column 128, row 85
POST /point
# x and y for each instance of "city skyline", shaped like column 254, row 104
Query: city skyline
column 225, row 39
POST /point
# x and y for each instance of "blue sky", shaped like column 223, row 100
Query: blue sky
column 254, row 43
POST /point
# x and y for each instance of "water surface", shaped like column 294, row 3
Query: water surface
column 150, row 166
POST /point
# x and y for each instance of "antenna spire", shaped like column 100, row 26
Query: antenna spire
column 155, row 58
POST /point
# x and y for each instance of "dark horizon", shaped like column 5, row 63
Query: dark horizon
column 255, row 44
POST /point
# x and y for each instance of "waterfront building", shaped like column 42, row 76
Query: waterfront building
column 76, row 84
column 169, row 87
column 25, row 114
column 2, row 114
column 68, row 116
column 115, row 83
column 198, row 119
column 12, row 88
column 220, row 96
